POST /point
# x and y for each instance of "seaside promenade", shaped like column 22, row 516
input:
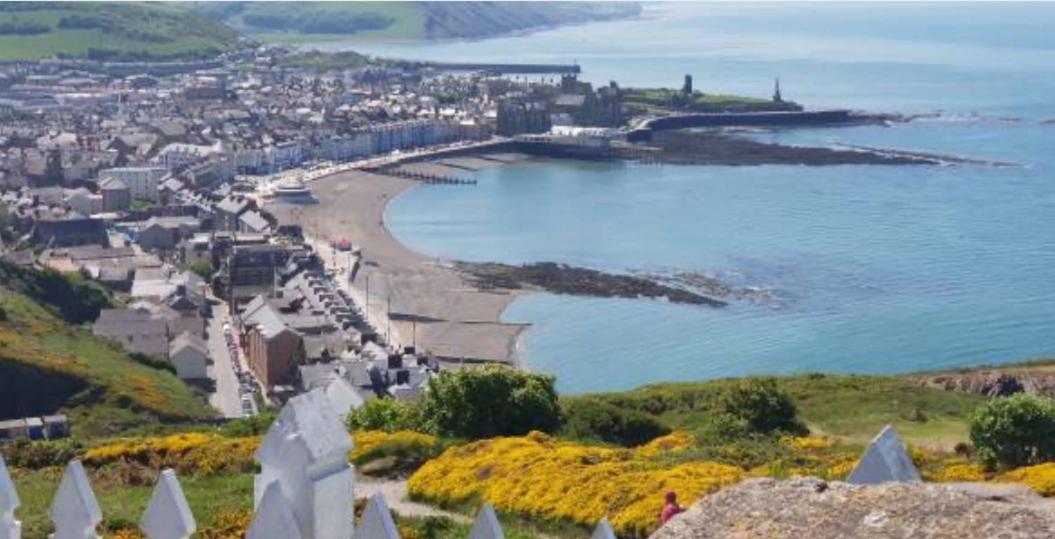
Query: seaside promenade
column 412, row 299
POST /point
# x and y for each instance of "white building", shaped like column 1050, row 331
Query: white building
column 178, row 155
column 141, row 181
column 190, row 356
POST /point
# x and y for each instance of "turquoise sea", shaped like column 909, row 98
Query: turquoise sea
column 877, row 269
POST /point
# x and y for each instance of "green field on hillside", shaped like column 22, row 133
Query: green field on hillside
column 307, row 22
column 49, row 365
column 852, row 407
column 108, row 31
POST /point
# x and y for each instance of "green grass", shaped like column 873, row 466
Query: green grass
column 661, row 100
column 123, row 499
column 126, row 31
column 851, row 407
column 51, row 364
column 408, row 19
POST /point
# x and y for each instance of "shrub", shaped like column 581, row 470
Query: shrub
column 387, row 415
column 560, row 481
column 591, row 419
column 255, row 425
column 152, row 362
column 203, row 268
column 74, row 298
column 22, row 453
column 22, row 28
column 1014, row 431
column 1040, row 478
column 395, row 452
column 491, row 401
column 762, row 407
column 188, row 453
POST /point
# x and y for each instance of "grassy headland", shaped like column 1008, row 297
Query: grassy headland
column 108, row 31
column 665, row 101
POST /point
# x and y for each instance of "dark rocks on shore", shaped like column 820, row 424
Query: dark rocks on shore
column 564, row 279
column 716, row 148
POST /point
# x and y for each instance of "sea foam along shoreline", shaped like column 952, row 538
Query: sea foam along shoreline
column 431, row 305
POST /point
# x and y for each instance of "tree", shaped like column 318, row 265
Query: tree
column 592, row 419
column 388, row 415
column 762, row 407
column 1014, row 431
column 491, row 401
column 202, row 268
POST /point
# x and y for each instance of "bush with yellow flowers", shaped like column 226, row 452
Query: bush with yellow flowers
column 673, row 443
column 1040, row 478
column 196, row 453
column 372, row 444
column 540, row 477
column 228, row 525
column 809, row 456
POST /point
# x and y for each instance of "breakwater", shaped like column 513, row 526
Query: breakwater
column 643, row 130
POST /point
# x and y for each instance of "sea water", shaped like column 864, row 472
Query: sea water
column 875, row 269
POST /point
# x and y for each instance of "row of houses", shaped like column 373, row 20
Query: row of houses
column 164, row 321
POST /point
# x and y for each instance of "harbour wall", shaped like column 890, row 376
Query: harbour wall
column 728, row 119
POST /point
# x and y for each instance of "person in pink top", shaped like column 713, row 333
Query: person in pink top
column 671, row 508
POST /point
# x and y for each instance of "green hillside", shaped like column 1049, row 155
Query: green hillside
column 108, row 31
column 313, row 21
column 48, row 365
column 851, row 407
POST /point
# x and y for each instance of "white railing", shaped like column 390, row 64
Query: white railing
column 306, row 487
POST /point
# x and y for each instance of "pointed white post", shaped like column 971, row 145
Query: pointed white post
column 306, row 452
column 75, row 512
column 486, row 525
column 9, row 527
column 274, row 519
column 168, row 516
column 603, row 530
column 377, row 521
column 885, row 460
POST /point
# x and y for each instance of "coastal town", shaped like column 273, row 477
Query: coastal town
column 235, row 207
column 410, row 270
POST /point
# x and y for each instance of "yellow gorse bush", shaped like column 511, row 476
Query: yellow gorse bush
column 675, row 442
column 806, row 442
column 209, row 453
column 1040, row 478
column 189, row 453
column 370, row 441
column 538, row 476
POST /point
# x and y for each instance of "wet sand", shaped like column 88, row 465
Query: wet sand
column 452, row 319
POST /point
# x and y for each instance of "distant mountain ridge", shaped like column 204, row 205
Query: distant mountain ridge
column 484, row 19
column 408, row 20
column 158, row 31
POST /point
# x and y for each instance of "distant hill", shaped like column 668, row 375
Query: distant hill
column 405, row 20
column 49, row 364
column 109, row 31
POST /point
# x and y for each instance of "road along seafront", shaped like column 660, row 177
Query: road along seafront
column 411, row 298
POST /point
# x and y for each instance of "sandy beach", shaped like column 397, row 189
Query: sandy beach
column 432, row 305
